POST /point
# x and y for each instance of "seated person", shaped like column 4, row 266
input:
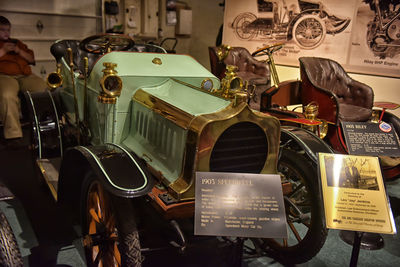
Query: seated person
column 15, row 75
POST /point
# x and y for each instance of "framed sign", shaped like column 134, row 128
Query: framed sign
column 362, row 36
column 239, row 204
column 374, row 139
column 354, row 194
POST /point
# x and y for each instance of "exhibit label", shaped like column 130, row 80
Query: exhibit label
column 354, row 194
column 239, row 204
column 373, row 139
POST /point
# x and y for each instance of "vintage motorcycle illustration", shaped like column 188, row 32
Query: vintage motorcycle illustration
column 383, row 35
column 306, row 22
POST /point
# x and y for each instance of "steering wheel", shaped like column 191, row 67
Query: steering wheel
column 267, row 50
column 104, row 43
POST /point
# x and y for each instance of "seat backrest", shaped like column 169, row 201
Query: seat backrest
column 237, row 56
column 78, row 55
column 241, row 57
column 329, row 75
column 217, row 64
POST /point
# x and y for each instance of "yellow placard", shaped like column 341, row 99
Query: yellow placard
column 354, row 194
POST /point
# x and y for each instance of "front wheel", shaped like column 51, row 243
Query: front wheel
column 307, row 233
column 309, row 31
column 10, row 254
column 109, row 229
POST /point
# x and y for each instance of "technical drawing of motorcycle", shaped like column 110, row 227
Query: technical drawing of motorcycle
column 307, row 23
column 383, row 35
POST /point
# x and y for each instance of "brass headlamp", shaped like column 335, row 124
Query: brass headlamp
column 233, row 87
column 55, row 79
column 311, row 113
column 111, row 84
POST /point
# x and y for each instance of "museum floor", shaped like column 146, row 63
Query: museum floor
column 46, row 238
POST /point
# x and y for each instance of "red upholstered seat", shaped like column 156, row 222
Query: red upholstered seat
column 338, row 95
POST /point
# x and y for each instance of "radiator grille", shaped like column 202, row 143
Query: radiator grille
column 241, row 148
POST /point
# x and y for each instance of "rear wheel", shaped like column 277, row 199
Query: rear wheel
column 9, row 251
column 306, row 233
column 109, row 228
column 241, row 25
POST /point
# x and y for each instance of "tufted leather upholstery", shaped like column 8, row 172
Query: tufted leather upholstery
column 338, row 95
column 255, row 72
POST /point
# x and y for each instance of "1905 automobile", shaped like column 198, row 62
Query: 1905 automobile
column 306, row 22
column 383, row 35
column 123, row 134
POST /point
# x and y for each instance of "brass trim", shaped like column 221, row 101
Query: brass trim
column 210, row 92
column 203, row 132
column 106, row 96
column 170, row 112
column 223, row 51
column 203, row 82
column 55, row 79
column 157, row 61
column 311, row 113
column 206, row 129
column 231, row 83
column 114, row 93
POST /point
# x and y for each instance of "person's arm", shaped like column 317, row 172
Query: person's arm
column 25, row 54
column 7, row 47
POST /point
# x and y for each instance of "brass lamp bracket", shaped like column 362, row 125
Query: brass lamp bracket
column 223, row 51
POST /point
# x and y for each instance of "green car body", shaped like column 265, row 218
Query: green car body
column 164, row 113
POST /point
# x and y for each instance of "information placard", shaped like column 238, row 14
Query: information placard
column 239, row 204
column 372, row 139
column 354, row 195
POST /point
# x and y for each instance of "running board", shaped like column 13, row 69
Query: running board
column 49, row 169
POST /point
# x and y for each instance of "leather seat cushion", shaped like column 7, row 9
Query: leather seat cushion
column 253, row 78
column 348, row 112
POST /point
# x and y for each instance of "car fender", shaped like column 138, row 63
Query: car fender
column 121, row 172
column 304, row 140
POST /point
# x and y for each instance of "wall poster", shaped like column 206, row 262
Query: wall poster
column 362, row 35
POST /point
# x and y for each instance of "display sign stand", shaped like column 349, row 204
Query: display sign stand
column 369, row 241
column 356, row 248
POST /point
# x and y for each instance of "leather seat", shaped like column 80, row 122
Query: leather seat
column 255, row 72
column 339, row 97
column 78, row 55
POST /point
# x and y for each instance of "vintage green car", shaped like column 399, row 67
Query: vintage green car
column 123, row 133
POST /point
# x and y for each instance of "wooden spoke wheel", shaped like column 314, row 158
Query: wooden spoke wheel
column 110, row 234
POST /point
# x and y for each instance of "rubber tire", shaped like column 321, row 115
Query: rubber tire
column 316, row 235
column 10, row 254
column 128, row 236
column 303, row 18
